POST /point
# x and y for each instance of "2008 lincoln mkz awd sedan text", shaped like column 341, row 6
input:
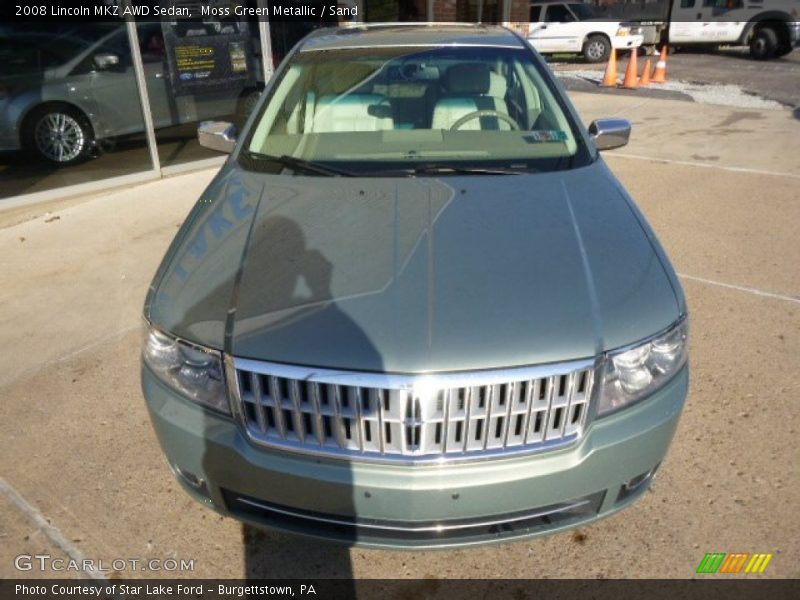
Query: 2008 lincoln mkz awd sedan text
column 415, row 308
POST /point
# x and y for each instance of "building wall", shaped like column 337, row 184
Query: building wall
column 445, row 10
column 457, row 10
column 520, row 10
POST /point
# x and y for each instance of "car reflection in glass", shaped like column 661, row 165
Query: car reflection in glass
column 66, row 91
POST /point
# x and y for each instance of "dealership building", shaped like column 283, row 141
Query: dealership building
column 91, row 104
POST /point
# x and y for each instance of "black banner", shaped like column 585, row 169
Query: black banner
column 318, row 11
column 402, row 589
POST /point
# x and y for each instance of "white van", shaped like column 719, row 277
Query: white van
column 769, row 27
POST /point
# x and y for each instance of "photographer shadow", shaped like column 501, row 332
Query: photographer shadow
column 294, row 311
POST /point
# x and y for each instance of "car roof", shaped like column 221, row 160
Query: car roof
column 377, row 35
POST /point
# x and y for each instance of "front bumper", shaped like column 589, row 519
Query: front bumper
column 416, row 506
column 794, row 34
column 620, row 42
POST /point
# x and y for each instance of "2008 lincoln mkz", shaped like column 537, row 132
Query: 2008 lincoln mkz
column 415, row 308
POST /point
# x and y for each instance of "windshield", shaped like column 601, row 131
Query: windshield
column 377, row 109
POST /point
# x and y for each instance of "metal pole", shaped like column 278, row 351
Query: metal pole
column 144, row 98
column 265, row 39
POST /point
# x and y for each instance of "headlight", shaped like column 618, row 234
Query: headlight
column 632, row 374
column 191, row 370
column 623, row 31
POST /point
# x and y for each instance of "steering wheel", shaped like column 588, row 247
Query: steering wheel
column 486, row 112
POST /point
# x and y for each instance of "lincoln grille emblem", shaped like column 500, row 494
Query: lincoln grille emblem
column 413, row 421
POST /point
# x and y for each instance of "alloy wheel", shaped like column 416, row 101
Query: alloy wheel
column 59, row 137
column 596, row 50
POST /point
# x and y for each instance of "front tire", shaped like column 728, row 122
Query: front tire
column 59, row 134
column 596, row 49
column 764, row 44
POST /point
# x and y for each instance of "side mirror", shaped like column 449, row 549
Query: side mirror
column 610, row 133
column 217, row 135
column 106, row 61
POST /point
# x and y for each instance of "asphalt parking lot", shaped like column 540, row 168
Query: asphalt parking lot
column 775, row 80
column 82, row 474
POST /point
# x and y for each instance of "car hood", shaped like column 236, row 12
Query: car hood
column 415, row 274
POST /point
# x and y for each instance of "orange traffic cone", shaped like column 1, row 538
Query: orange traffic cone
column 610, row 77
column 631, row 81
column 660, row 74
column 645, row 78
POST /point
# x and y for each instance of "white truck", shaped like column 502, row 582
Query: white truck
column 771, row 28
column 578, row 28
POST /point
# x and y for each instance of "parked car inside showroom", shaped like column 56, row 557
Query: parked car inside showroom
column 415, row 308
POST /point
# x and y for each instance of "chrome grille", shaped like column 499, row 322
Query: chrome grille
column 417, row 418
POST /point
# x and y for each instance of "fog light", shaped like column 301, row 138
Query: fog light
column 635, row 484
column 193, row 481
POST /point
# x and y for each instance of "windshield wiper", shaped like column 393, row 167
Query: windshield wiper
column 298, row 164
column 434, row 169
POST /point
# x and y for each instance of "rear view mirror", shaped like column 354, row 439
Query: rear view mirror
column 379, row 111
column 610, row 133
column 217, row 135
column 106, row 61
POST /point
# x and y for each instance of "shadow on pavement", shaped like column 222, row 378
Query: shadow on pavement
column 273, row 555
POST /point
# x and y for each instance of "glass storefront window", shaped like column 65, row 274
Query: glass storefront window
column 69, row 106
column 71, row 110
column 197, row 71
column 208, row 69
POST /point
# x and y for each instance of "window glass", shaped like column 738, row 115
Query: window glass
column 209, row 69
column 687, row 3
column 586, row 11
column 536, row 13
column 558, row 13
column 197, row 71
column 360, row 108
column 69, row 106
column 725, row 5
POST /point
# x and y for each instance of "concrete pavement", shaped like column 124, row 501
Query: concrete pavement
column 720, row 189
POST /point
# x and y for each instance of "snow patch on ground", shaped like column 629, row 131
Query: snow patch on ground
column 703, row 93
